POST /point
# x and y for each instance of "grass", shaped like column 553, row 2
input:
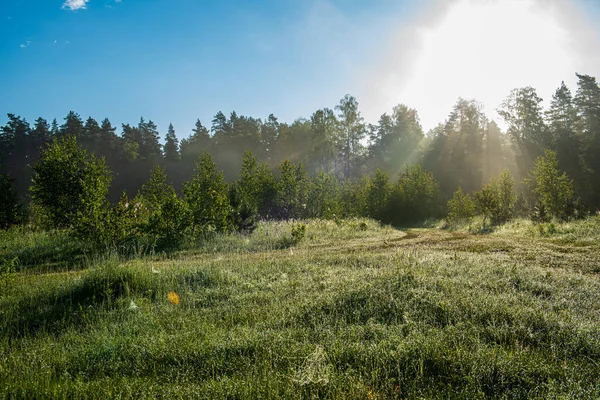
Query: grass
column 355, row 310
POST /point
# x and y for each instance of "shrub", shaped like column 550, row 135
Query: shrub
column 170, row 219
column 417, row 195
column 379, row 196
column 207, row 197
column 324, row 196
column 486, row 201
column 243, row 215
column 355, row 197
column 551, row 189
column 291, row 190
column 496, row 201
column 70, row 187
column 125, row 221
column 506, row 196
column 461, row 207
column 298, row 233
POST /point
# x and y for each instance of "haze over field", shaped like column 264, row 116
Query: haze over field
column 175, row 62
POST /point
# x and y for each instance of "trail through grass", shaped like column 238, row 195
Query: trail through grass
column 355, row 310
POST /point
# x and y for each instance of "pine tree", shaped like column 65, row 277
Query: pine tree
column 207, row 197
column 197, row 143
column 73, row 126
column 587, row 102
column 562, row 119
column 171, row 145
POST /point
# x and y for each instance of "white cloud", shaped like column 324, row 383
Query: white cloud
column 75, row 4
column 26, row 44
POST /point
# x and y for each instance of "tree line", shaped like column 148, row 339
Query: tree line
column 333, row 163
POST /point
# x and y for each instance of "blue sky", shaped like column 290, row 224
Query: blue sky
column 178, row 60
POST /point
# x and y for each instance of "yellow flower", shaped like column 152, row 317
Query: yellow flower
column 174, row 298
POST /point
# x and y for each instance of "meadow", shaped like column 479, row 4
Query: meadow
column 354, row 309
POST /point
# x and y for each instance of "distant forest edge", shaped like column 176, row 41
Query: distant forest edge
column 331, row 165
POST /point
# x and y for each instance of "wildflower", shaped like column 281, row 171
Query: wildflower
column 173, row 298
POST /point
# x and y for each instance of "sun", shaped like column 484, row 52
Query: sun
column 482, row 49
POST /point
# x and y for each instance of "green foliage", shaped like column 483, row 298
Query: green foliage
column 170, row 219
column 171, row 150
column 496, row 201
column 10, row 208
column 256, row 185
column 379, row 196
column 298, row 233
column 170, row 224
column 156, row 191
column 461, row 207
column 291, row 190
column 207, row 197
column 552, row 190
column 125, row 221
column 243, row 215
column 486, row 201
column 70, row 187
column 506, row 196
column 324, row 197
column 416, row 196
column 355, row 197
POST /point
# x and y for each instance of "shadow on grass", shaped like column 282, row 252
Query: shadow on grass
column 46, row 252
column 53, row 309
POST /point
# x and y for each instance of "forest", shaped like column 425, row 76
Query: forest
column 330, row 165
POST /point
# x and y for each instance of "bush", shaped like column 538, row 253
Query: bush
column 324, row 196
column 417, row 196
column 125, row 221
column 379, row 197
column 170, row 219
column 461, row 207
column 496, row 201
column 551, row 190
column 207, row 197
column 291, row 191
column 298, row 233
column 355, row 197
column 243, row 215
column 70, row 187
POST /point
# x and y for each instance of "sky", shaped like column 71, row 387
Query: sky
column 179, row 60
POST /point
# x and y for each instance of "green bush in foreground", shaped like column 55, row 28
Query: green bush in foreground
column 461, row 207
column 554, row 191
column 69, row 189
column 207, row 197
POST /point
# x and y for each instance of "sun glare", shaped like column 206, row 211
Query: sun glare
column 482, row 50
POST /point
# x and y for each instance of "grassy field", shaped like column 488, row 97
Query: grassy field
column 355, row 310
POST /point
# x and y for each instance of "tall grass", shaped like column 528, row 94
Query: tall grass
column 355, row 310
